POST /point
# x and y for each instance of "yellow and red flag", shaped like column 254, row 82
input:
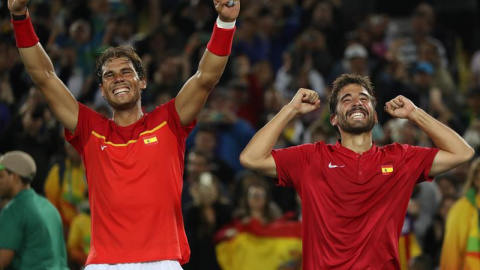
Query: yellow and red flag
column 254, row 246
column 387, row 169
column 150, row 140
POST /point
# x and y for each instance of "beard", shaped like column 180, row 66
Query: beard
column 356, row 127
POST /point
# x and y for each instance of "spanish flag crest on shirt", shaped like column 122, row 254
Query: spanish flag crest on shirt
column 150, row 140
column 387, row 169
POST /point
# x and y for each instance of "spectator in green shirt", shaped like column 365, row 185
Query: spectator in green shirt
column 31, row 233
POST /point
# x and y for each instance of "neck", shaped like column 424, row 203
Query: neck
column 125, row 118
column 357, row 143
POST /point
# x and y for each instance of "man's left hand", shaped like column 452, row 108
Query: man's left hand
column 400, row 107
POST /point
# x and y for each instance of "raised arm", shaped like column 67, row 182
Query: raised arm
column 40, row 67
column 192, row 96
column 257, row 154
column 453, row 148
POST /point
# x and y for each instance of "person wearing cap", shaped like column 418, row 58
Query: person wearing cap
column 355, row 61
column 31, row 233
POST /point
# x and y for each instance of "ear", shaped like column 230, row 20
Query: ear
column 101, row 90
column 376, row 117
column 143, row 84
column 333, row 119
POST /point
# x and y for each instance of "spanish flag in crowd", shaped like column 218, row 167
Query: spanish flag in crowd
column 253, row 246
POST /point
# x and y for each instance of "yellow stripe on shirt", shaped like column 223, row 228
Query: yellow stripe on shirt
column 130, row 141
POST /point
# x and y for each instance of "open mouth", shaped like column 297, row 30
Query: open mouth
column 120, row 91
column 358, row 114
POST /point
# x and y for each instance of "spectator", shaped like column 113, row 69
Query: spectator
column 206, row 215
column 206, row 141
column 66, row 186
column 355, row 61
column 447, row 186
column 233, row 131
column 435, row 233
column 461, row 248
column 422, row 21
column 31, row 228
column 256, row 204
column 38, row 136
column 79, row 237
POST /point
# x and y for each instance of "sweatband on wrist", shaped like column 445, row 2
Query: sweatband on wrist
column 25, row 35
column 221, row 40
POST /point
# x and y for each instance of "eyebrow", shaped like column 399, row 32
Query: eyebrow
column 344, row 96
column 122, row 69
column 349, row 95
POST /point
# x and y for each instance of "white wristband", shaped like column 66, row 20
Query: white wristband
column 225, row 25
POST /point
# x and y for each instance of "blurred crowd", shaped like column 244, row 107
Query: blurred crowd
column 428, row 52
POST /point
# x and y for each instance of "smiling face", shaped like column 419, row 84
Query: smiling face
column 354, row 112
column 121, row 85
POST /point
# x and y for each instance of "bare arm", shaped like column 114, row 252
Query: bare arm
column 40, row 68
column 6, row 256
column 192, row 97
column 453, row 148
column 257, row 154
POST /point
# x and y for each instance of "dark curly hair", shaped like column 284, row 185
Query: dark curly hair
column 117, row 52
column 347, row 79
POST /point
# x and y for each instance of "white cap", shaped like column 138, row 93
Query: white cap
column 354, row 51
column 20, row 163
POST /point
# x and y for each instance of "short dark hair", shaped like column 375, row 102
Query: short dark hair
column 347, row 79
column 117, row 52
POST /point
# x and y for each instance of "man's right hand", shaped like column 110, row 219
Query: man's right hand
column 17, row 7
column 305, row 101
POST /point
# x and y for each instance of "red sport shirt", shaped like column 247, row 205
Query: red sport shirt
column 353, row 205
column 134, row 177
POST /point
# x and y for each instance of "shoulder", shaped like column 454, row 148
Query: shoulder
column 89, row 119
column 305, row 148
column 85, row 110
column 462, row 204
column 461, row 210
column 394, row 147
column 45, row 205
column 166, row 107
column 399, row 147
column 161, row 113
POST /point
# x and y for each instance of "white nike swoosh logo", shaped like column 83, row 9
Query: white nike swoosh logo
column 331, row 166
column 103, row 147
